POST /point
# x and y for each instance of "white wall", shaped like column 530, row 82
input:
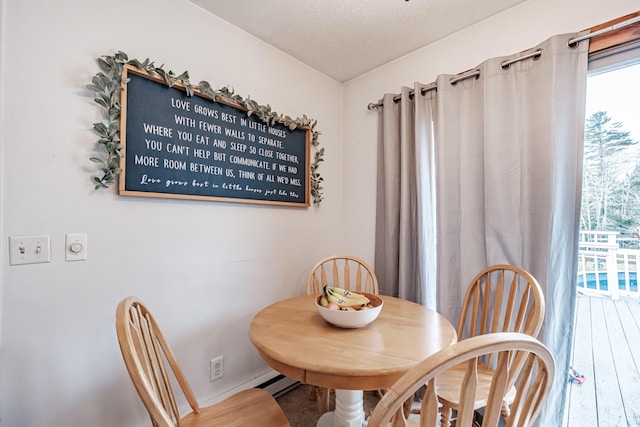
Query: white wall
column 511, row 31
column 204, row 268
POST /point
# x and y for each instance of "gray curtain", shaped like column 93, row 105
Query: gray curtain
column 405, row 211
column 507, row 178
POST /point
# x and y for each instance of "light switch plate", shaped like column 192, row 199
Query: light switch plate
column 29, row 249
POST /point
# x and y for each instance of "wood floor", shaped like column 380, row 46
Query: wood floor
column 607, row 352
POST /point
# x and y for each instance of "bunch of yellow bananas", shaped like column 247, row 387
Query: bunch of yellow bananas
column 342, row 298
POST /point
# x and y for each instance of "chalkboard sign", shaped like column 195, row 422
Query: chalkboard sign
column 189, row 147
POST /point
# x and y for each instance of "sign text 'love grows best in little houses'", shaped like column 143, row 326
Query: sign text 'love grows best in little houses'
column 189, row 147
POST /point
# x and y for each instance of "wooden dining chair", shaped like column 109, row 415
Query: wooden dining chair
column 153, row 368
column 342, row 271
column 501, row 298
column 521, row 361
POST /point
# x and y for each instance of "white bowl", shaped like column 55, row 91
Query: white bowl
column 351, row 319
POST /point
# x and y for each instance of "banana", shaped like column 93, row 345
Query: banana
column 331, row 297
column 345, row 298
column 351, row 295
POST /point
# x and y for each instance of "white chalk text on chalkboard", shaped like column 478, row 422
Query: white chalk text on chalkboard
column 177, row 146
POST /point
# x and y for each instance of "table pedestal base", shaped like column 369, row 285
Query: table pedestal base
column 349, row 410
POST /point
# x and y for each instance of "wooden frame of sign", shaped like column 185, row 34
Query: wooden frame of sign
column 190, row 147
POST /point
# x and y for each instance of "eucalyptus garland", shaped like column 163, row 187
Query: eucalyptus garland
column 106, row 88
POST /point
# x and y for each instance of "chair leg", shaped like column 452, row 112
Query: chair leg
column 323, row 397
column 445, row 414
column 418, row 396
column 506, row 411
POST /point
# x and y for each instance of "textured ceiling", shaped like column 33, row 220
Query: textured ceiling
column 344, row 39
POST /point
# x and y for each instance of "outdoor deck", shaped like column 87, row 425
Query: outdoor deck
column 607, row 352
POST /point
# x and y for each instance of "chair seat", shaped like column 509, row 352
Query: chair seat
column 449, row 389
column 257, row 406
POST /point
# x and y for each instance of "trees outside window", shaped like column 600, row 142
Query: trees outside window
column 611, row 183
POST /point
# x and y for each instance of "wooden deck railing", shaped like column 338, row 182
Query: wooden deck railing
column 608, row 265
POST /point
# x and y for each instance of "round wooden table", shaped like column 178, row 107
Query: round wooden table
column 294, row 340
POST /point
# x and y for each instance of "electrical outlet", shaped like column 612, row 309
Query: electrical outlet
column 217, row 368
